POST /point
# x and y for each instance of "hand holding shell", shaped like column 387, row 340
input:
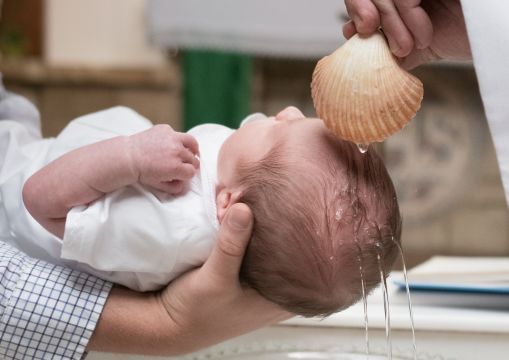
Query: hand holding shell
column 361, row 92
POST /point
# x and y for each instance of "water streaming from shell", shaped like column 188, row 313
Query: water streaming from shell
column 386, row 309
column 408, row 297
column 385, row 292
column 365, row 304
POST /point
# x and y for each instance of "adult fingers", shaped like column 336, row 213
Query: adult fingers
column 189, row 142
column 349, row 29
column 417, row 21
column 399, row 37
column 364, row 15
column 231, row 243
column 418, row 57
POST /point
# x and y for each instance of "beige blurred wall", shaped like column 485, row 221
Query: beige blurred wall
column 98, row 33
column 95, row 55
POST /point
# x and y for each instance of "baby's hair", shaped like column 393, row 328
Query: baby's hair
column 317, row 223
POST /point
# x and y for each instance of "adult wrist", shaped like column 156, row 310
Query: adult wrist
column 135, row 323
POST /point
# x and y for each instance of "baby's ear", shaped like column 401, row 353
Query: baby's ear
column 224, row 199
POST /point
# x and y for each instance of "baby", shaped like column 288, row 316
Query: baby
column 139, row 204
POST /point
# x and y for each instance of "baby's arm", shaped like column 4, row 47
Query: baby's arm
column 158, row 157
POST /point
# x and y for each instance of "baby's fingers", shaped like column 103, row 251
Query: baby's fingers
column 183, row 171
column 174, row 187
column 189, row 158
column 190, row 143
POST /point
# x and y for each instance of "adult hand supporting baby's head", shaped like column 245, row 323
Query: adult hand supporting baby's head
column 201, row 308
column 209, row 305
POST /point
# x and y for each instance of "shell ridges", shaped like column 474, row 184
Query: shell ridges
column 362, row 94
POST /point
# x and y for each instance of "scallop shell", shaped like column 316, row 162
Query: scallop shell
column 361, row 92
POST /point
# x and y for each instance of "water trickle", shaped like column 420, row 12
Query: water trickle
column 408, row 296
column 386, row 309
column 365, row 303
column 363, row 148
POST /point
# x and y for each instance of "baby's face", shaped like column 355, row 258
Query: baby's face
column 252, row 141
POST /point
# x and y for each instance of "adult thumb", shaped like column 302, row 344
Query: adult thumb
column 231, row 243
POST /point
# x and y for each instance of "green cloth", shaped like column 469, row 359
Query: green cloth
column 216, row 87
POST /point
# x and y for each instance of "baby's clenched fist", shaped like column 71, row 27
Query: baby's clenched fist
column 163, row 158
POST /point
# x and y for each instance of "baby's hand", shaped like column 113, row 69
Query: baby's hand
column 163, row 158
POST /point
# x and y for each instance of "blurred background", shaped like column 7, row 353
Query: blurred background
column 191, row 61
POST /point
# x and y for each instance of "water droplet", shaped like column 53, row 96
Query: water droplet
column 338, row 215
column 363, row 148
column 331, row 258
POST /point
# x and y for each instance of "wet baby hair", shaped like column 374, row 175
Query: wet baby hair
column 318, row 221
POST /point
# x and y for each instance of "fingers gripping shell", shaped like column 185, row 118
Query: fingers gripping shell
column 361, row 92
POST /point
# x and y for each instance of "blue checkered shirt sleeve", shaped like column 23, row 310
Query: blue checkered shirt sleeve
column 46, row 311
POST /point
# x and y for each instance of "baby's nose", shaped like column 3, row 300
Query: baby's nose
column 290, row 113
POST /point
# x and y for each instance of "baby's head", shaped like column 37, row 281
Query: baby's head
column 322, row 212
